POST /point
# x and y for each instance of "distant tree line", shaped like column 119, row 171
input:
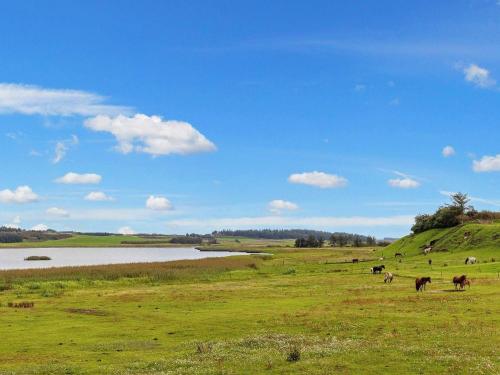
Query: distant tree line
column 310, row 241
column 13, row 235
column 337, row 240
column 193, row 239
column 273, row 234
column 453, row 214
column 10, row 237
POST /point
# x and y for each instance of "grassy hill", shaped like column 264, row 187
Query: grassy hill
column 473, row 238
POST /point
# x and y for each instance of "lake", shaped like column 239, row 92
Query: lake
column 89, row 256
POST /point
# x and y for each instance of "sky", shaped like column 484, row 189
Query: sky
column 194, row 116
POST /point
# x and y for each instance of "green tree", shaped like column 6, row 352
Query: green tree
column 460, row 201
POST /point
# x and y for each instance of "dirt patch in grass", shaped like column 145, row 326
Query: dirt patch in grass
column 94, row 312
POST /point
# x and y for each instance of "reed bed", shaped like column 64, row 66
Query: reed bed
column 181, row 269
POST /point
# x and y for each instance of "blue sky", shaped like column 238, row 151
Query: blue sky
column 196, row 116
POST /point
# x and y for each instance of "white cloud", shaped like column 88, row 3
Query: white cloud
column 478, row 76
column 487, row 164
column 34, row 100
column 277, row 206
column 126, row 231
column 448, row 151
column 290, row 222
column 152, row 135
column 97, row 196
column 62, row 147
column 60, row 152
column 40, row 227
column 23, row 194
column 158, row 203
column 55, row 211
column 318, row 179
column 403, row 183
column 15, row 224
column 77, row 178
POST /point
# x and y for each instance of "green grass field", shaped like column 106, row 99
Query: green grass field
column 298, row 311
column 94, row 241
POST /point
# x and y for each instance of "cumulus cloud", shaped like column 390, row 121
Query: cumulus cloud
column 62, row 148
column 291, row 222
column 318, row 179
column 40, row 227
column 158, row 203
column 126, row 231
column 277, row 206
column 23, row 194
column 15, row 224
column 487, row 164
column 448, row 151
column 98, row 196
column 478, row 76
column 77, row 178
column 151, row 134
column 34, row 100
column 403, row 183
column 55, row 211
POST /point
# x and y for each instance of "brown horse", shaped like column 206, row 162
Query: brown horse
column 420, row 283
column 462, row 281
column 355, row 260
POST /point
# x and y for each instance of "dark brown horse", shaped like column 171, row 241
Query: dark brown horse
column 461, row 280
column 420, row 283
column 355, row 260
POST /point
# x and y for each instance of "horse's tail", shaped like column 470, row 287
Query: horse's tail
column 466, row 259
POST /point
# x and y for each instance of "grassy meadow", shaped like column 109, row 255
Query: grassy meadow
column 298, row 311
column 84, row 240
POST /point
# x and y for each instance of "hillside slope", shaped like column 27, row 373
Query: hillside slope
column 471, row 236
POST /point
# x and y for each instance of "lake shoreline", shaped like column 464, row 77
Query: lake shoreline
column 15, row 258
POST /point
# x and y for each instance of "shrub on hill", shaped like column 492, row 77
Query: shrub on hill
column 451, row 215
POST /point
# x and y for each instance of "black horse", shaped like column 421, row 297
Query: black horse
column 378, row 269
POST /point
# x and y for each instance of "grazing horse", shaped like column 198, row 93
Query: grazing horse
column 462, row 281
column 355, row 260
column 420, row 283
column 398, row 255
column 388, row 277
column 377, row 269
column 459, row 280
column 427, row 250
column 470, row 260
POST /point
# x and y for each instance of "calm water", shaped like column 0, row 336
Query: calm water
column 86, row 256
